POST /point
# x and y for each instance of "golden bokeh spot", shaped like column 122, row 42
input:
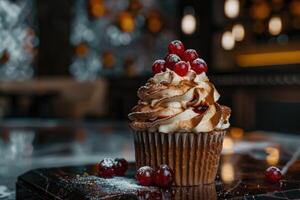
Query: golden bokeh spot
column 108, row 59
column 4, row 58
column 228, row 145
column 154, row 22
column 227, row 172
column 81, row 50
column 236, row 133
column 295, row 7
column 260, row 10
column 126, row 22
column 273, row 155
column 96, row 8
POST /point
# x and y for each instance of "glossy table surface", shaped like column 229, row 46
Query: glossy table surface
column 27, row 145
column 82, row 182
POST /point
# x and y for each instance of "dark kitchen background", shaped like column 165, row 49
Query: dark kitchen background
column 86, row 59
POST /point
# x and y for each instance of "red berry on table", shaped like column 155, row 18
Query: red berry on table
column 163, row 176
column 106, row 168
column 199, row 66
column 158, row 66
column 144, row 175
column 171, row 60
column 181, row 68
column 120, row 166
column 273, row 174
column 189, row 55
column 176, row 47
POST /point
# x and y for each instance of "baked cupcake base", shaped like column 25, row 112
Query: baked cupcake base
column 194, row 157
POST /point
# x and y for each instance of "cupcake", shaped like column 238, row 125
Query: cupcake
column 178, row 121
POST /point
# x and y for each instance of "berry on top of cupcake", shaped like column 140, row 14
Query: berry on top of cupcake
column 180, row 60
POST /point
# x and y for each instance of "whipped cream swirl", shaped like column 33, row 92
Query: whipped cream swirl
column 171, row 103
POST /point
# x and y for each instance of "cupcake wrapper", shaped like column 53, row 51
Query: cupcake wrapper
column 194, row 157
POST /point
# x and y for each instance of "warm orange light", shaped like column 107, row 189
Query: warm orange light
column 108, row 59
column 295, row 7
column 96, row 8
column 260, row 10
column 228, row 145
column 268, row 58
column 227, row 172
column 154, row 22
column 126, row 22
column 236, row 133
column 81, row 50
column 273, row 155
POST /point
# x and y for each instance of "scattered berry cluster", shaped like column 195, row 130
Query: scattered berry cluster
column 109, row 168
column 162, row 177
column 178, row 60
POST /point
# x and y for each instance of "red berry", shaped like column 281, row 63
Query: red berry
column 200, row 109
column 199, row 66
column 273, row 174
column 144, row 175
column 106, row 168
column 163, row 176
column 171, row 60
column 158, row 66
column 176, row 47
column 120, row 166
column 189, row 55
column 181, row 68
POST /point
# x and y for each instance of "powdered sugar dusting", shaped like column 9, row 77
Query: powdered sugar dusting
column 95, row 187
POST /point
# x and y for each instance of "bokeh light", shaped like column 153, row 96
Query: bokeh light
column 238, row 32
column 108, row 59
column 295, row 7
column 236, row 133
column 228, row 145
column 96, row 8
column 154, row 22
column 275, row 25
column 273, row 155
column 227, row 172
column 260, row 10
column 188, row 24
column 228, row 41
column 81, row 50
column 232, row 8
column 126, row 22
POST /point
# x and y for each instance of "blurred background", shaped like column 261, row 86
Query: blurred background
column 83, row 59
column 70, row 69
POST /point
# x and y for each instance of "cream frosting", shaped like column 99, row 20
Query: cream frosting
column 168, row 102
